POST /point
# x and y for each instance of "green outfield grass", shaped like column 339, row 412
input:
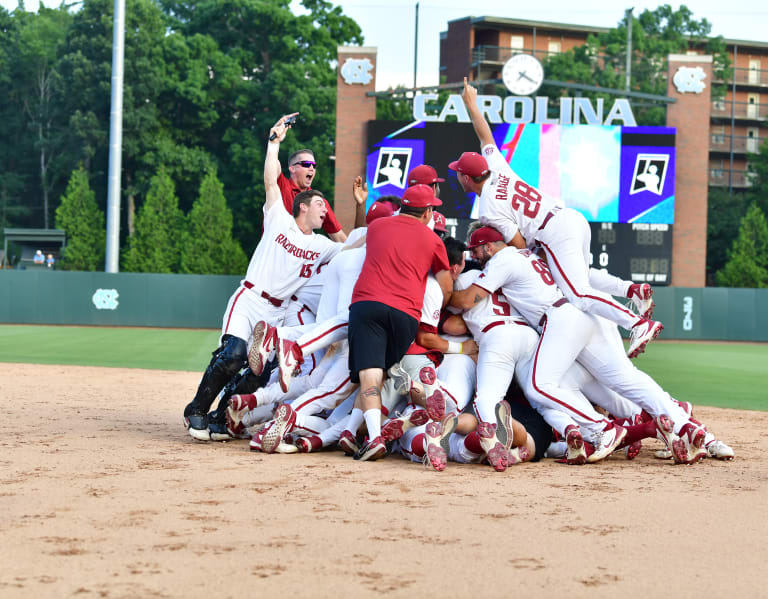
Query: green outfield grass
column 730, row 375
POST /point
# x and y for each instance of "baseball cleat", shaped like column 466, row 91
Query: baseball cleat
column 437, row 437
column 255, row 443
column 633, row 450
column 373, row 449
column 218, row 431
column 435, row 405
column 285, row 418
column 494, row 449
column 309, row 444
column 641, row 295
column 663, row 454
column 196, row 423
column 606, row 441
column 688, row 448
column 239, row 406
column 394, row 428
column 400, row 379
column 347, row 443
column 264, row 342
column 642, row 333
column 665, row 431
column 576, row 454
column 504, row 424
column 289, row 359
column 719, row 450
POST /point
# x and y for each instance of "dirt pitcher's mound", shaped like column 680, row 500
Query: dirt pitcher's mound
column 103, row 494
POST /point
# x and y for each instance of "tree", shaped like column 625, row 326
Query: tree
column 159, row 225
column 207, row 246
column 601, row 61
column 758, row 171
column 724, row 213
column 80, row 217
column 747, row 264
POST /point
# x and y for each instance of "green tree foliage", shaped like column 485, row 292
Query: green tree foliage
column 80, row 217
column 724, row 213
column 159, row 226
column 747, row 264
column 601, row 61
column 207, row 245
column 758, row 171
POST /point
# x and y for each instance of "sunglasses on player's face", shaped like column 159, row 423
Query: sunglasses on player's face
column 305, row 163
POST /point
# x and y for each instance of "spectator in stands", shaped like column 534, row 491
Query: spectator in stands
column 39, row 258
column 50, row 261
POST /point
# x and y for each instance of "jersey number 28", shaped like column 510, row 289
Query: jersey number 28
column 527, row 197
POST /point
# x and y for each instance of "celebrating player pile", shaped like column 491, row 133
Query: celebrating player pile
column 386, row 343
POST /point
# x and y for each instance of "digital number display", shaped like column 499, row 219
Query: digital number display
column 638, row 252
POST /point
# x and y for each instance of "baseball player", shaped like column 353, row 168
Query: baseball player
column 285, row 258
column 527, row 218
column 567, row 334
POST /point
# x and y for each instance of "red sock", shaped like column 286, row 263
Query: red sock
column 472, row 442
column 417, row 445
column 638, row 432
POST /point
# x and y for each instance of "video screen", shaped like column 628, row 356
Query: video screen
column 611, row 174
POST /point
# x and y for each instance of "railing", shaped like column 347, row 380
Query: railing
column 741, row 110
column 748, row 76
column 720, row 142
column 718, row 177
column 500, row 54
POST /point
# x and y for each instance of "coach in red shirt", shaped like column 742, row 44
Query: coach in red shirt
column 302, row 167
column 386, row 302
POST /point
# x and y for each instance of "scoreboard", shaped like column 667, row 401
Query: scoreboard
column 622, row 179
column 639, row 252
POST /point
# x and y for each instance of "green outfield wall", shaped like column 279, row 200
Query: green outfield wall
column 198, row 301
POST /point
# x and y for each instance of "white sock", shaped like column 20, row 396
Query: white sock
column 373, row 422
column 355, row 420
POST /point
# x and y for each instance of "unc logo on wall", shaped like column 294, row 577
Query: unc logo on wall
column 690, row 79
column 105, row 299
column 357, row 70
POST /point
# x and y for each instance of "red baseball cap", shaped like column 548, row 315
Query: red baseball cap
column 420, row 196
column 470, row 163
column 439, row 222
column 484, row 235
column 424, row 174
column 378, row 210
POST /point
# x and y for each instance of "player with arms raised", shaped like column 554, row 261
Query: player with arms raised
column 526, row 217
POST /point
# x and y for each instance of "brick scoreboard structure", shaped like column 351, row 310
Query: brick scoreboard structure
column 353, row 111
column 690, row 114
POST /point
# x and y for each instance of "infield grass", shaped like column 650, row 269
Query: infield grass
column 727, row 375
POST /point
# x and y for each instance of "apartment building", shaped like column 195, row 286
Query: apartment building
column 738, row 122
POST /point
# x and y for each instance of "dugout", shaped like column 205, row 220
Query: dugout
column 20, row 246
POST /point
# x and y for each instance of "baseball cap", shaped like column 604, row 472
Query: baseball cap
column 424, row 174
column 420, row 196
column 484, row 235
column 439, row 222
column 470, row 163
column 378, row 210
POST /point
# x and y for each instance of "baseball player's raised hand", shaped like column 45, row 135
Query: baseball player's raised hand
column 277, row 133
column 360, row 191
column 469, row 95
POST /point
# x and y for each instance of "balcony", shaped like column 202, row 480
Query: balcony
column 720, row 142
column 498, row 55
column 742, row 76
column 718, row 177
column 740, row 110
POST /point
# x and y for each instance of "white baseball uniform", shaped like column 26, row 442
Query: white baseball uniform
column 509, row 204
column 282, row 262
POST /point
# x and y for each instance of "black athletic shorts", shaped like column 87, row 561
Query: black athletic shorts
column 379, row 336
column 536, row 426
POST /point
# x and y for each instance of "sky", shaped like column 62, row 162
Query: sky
column 389, row 25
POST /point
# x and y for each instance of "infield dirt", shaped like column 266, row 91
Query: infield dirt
column 103, row 494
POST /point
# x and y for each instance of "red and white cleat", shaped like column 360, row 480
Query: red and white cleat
column 641, row 334
column 285, row 418
column 264, row 343
column 394, row 428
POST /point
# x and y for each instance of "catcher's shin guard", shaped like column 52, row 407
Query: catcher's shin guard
column 228, row 359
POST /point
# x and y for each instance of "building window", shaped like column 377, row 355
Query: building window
column 718, row 136
column 555, row 47
column 517, row 42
